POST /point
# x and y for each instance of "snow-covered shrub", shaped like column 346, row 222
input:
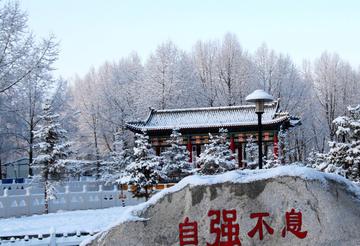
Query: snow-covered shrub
column 322, row 162
column 217, row 156
column 314, row 159
column 271, row 162
column 175, row 159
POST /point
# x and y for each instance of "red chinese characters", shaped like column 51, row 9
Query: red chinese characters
column 293, row 224
column 227, row 233
column 259, row 225
column 188, row 233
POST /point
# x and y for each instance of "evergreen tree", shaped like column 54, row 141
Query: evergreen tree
column 252, row 153
column 144, row 171
column 217, row 157
column 113, row 167
column 176, row 159
column 53, row 150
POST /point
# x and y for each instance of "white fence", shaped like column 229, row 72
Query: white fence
column 20, row 188
column 26, row 200
column 51, row 239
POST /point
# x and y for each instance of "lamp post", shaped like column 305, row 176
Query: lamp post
column 259, row 97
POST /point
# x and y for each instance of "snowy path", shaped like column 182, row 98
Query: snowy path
column 62, row 222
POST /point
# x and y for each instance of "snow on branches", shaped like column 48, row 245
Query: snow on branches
column 113, row 167
column 344, row 155
column 217, row 157
column 53, row 150
column 144, row 171
column 282, row 155
column 175, row 160
column 252, row 152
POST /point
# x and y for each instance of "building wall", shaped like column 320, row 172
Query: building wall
column 199, row 140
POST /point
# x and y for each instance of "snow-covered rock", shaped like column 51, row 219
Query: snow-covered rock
column 329, row 207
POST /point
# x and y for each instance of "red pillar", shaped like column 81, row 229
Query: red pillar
column 240, row 157
column 158, row 150
column 276, row 148
column 189, row 148
column 232, row 144
column 198, row 150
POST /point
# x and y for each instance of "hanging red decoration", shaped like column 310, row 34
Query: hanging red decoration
column 232, row 144
column 189, row 148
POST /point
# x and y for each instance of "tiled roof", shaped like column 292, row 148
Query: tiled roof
column 243, row 115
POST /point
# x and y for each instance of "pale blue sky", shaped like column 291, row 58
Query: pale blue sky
column 92, row 31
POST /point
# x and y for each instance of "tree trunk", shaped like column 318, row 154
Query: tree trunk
column 1, row 174
column 46, row 202
column 107, row 142
column 94, row 127
column 31, row 150
column 146, row 193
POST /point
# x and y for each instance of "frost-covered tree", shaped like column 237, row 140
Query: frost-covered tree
column 53, row 150
column 144, row 171
column 162, row 75
column 26, row 63
column 75, row 169
column 234, row 69
column 335, row 84
column 279, row 75
column 204, row 56
column 217, row 156
column 106, row 98
column 175, row 159
column 24, row 111
column 252, row 152
column 113, row 167
column 21, row 55
column 88, row 101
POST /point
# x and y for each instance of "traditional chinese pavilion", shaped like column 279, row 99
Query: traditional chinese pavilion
column 195, row 124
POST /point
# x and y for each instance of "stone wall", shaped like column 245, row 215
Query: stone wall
column 31, row 201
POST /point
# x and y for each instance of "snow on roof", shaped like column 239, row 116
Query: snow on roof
column 243, row 115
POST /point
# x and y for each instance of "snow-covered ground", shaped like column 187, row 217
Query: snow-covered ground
column 63, row 222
